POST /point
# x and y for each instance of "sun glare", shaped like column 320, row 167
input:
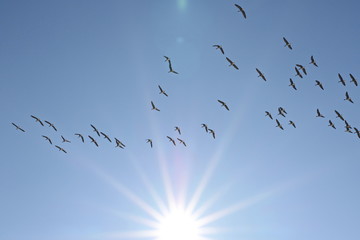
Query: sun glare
column 178, row 225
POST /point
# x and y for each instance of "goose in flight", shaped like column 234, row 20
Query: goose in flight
column 182, row 141
column 260, row 74
column 338, row 115
column 318, row 83
column 119, row 143
column 223, row 104
column 153, row 107
column 342, row 81
column 64, row 140
column 17, row 127
column 149, row 141
column 240, row 9
column 298, row 73
column 105, row 136
column 51, row 125
column 47, row 138
column 219, row 47
column 80, row 136
column 212, row 132
column 357, row 132
column 171, row 140
column 281, row 111
column 232, row 63
column 93, row 140
column 319, row 114
column 353, row 79
column 331, row 124
column 268, row 114
column 302, row 68
column 292, row 124
column 178, row 130
column 205, row 126
column 60, row 148
column 347, row 126
column 279, row 124
column 313, row 61
column 292, row 84
column 348, row 98
column 37, row 120
column 162, row 91
column 95, row 130
column 287, row 44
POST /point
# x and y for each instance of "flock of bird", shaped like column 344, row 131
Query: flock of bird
column 300, row 71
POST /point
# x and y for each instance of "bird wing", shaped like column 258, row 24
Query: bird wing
column 228, row 59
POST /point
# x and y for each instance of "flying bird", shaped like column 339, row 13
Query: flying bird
column 212, row 132
column 178, row 130
column 37, row 120
column 17, row 127
column 64, row 140
column 261, row 74
column 353, row 79
column 342, row 81
column 171, row 140
column 105, row 136
column 80, row 136
column 268, row 114
column 318, row 83
column 51, row 125
column 162, row 91
column 331, row 124
column 313, row 61
column 292, row 84
column 298, row 73
column 301, row 67
column 60, row 148
column 119, row 143
column 171, row 70
column 292, row 124
column 287, row 44
column 223, row 104
column 47, row 138
column 241, row 10
column 232, row 63
column 204, row 126
column 93, row 140
column 219, row 47
column 95, row 130
column 339, row 115
column 153, row 107
column 279, row 125
column 182, row 141
column 348, row 98
column 347, row 125
column 281, row 111
column 319, row 114
column 149, row 141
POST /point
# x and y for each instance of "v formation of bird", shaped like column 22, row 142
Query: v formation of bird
column 300, row 71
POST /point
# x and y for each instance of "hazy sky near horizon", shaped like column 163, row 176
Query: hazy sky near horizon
column 76, row 63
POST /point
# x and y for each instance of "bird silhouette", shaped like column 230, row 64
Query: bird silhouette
column 105, row 136
column 260, row 74
column 203, row 125
column 279, row 124
column 171, row 140
column 178, row 130
column 319, row 114
column 342, row 81
column 181, row 141
column 95, row 130
column 223, row 104
column 149, row 141
column 268, row 114
column 80, row 136
column 153, row 107
column 37, row 120
column 348, row 98
column 338, row 115
column 353, row 79
column 212, row 132
column 292, row 84
column 162, row 91
column 298, row 73
column 331, row 124
column 287, row 44
column 318, row 83
column 292, row 124
column 17, row 127
column 93, row 140
column 51, row 125
column 65, row 140
column 60, row 148
column 241, row 10
column 47, row 138
column 119, row 143
column 302, row 68
column 219, row 47
column 313, row 61
column 232, row 63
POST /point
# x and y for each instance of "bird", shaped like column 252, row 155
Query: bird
column 162, row 91
column 95, row 130
column 212, row 132
column 219, row 47
column 105, row 136
column 292, row 124
column 17, row 127
column 339, row 115
column 153, row 107
column 182, row 141
column 171, row 140
column 261, row 74
column 313, row 61
column 287, row 44
column 47, row 138
column 93, row 140
column 241, row 10
column 331, row 124
column 149, row 141
column 60, row 148
column 178, row 130
column 171, row 70
column 64, row 140
column 51, row 125
column 281, row 111
column 357, row 132
column 203, row 125
column 80, row 136
column 347, row 125
column 268, row 114
column 119, row 143
column 298, row 73
column 319, row 114
column 342, row 81
column 223, row 104
column 353, row 79
column 318, row 83
column 279, row 125
column 37, row 120
column 301, row 67
column 232, row 63
column 292, row 84
column 348, row 98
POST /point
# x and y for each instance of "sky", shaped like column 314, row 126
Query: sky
column 76, row 63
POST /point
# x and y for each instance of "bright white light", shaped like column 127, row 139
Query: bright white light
column 178, row 225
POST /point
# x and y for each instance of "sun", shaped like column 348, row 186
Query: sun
column 178, row 224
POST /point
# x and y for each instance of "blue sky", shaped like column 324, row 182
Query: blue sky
column 76, row 63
